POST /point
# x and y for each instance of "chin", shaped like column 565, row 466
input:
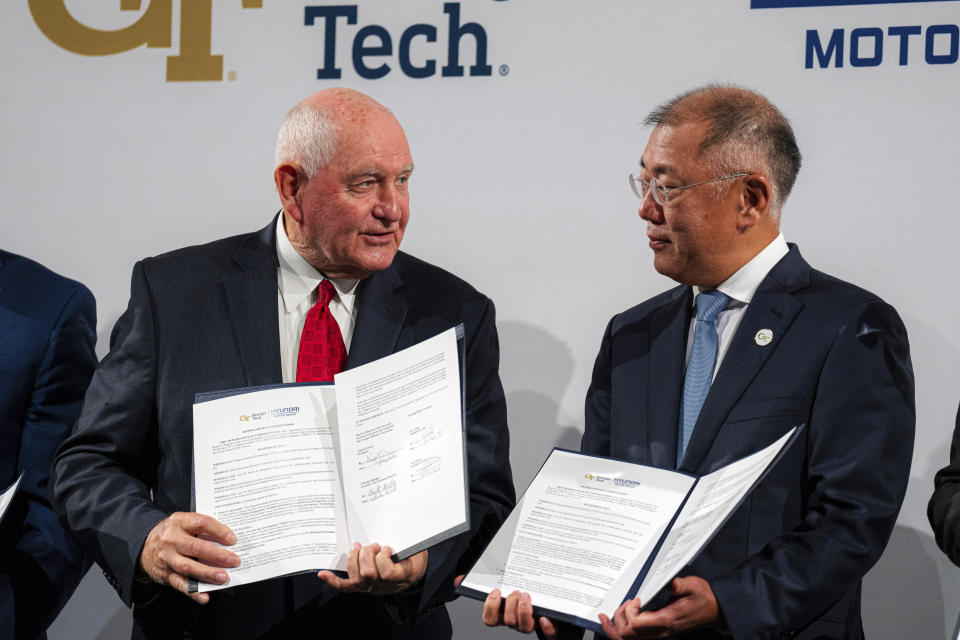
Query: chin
column 377, row 263
column 666, row 268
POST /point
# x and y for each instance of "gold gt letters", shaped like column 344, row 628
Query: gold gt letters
column 195, row 60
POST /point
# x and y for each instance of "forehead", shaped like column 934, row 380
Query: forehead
column 373, row 141
column 673, row 149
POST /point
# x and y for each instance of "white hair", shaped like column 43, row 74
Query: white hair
column 307, row 137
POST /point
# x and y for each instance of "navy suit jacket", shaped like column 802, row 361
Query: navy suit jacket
column 47, row 338
column 205, row 318
column 789, row 561
column 944, row 507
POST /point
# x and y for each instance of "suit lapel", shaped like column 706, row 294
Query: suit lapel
column 381, row 311
column 665, row 378
column 773, row 307
column 250, row 297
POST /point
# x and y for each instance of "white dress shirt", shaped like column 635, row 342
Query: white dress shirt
column 297, row 283
column 740, row 287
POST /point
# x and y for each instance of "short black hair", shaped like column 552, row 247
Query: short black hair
column 737, row 117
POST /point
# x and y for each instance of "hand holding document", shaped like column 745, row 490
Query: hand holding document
column 590, row 533
column 301, row 472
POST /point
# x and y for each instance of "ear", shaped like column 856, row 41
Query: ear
column 754, row 200
column 288, row 179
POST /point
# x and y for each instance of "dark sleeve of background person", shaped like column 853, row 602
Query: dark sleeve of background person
column 944, row 507
column 47, row 338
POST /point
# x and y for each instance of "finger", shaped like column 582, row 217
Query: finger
column 510, row 609
column 546, row 625
column 197, row 524
column 620, row 617
column 184, row 568
column 677, row 586
column 491, row 609
column 335, row 581
column 182, row 585
column 651, row 622
column 353, row 562
column 458, row 580
column 608, row 627
column 368, row 564
column 525, row 613
column 204, row 551
column 387, row 569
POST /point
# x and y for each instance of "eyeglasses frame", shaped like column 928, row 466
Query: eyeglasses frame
column 651, row 186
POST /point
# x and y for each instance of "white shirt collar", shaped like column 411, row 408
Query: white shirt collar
column 299, row 279
column 746, row 280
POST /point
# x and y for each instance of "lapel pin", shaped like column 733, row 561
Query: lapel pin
column 763, row 337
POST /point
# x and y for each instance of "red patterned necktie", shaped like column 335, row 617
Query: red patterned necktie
column 322, row 352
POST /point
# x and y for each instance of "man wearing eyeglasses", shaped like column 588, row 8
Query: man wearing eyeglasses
column 752, row 343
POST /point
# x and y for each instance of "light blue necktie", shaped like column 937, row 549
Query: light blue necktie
column 703, row 357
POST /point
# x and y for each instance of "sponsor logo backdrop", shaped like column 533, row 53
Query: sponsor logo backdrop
column 131, row 127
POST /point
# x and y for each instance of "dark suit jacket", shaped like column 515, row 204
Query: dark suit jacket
column 205, row 318
column 790, row 559
column 47, row 338
column 944, row 508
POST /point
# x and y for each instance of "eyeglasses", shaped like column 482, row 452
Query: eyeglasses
column 661, row 192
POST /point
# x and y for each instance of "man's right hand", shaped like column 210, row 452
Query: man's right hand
column 516, row 613
column 182, row 547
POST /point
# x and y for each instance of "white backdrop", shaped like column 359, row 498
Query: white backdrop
column 520, row 184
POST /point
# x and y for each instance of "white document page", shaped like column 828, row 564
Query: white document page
column 711, row 501
column 581, row 533
column 401, row 442
column 7, row 496
column 265, row 467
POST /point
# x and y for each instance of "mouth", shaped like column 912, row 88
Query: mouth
column 378, row 237
column 657, row 242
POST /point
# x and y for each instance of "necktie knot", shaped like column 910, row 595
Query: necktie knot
column 325, row 294
column 710, row 304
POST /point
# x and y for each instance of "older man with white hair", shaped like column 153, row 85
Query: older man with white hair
column 320, row 289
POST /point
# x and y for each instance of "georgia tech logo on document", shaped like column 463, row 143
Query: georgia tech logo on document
column 619, row 482
column 195, row 60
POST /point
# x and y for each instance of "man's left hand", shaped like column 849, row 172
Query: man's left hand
column 692, row 606
column 371, row 570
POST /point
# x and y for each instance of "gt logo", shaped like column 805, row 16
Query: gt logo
column 195, row 60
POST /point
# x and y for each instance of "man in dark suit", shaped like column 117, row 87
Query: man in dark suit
column 944, row 508
column 785, row 345
column 229, row 314
column 47, row 337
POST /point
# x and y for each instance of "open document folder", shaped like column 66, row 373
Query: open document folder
column 590, row 533
column 301, row 471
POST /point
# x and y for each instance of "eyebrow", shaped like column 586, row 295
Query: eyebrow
column 373, row 172
column 659, row 169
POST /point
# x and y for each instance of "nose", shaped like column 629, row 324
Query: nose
column 650, row 210
column 388, row 207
